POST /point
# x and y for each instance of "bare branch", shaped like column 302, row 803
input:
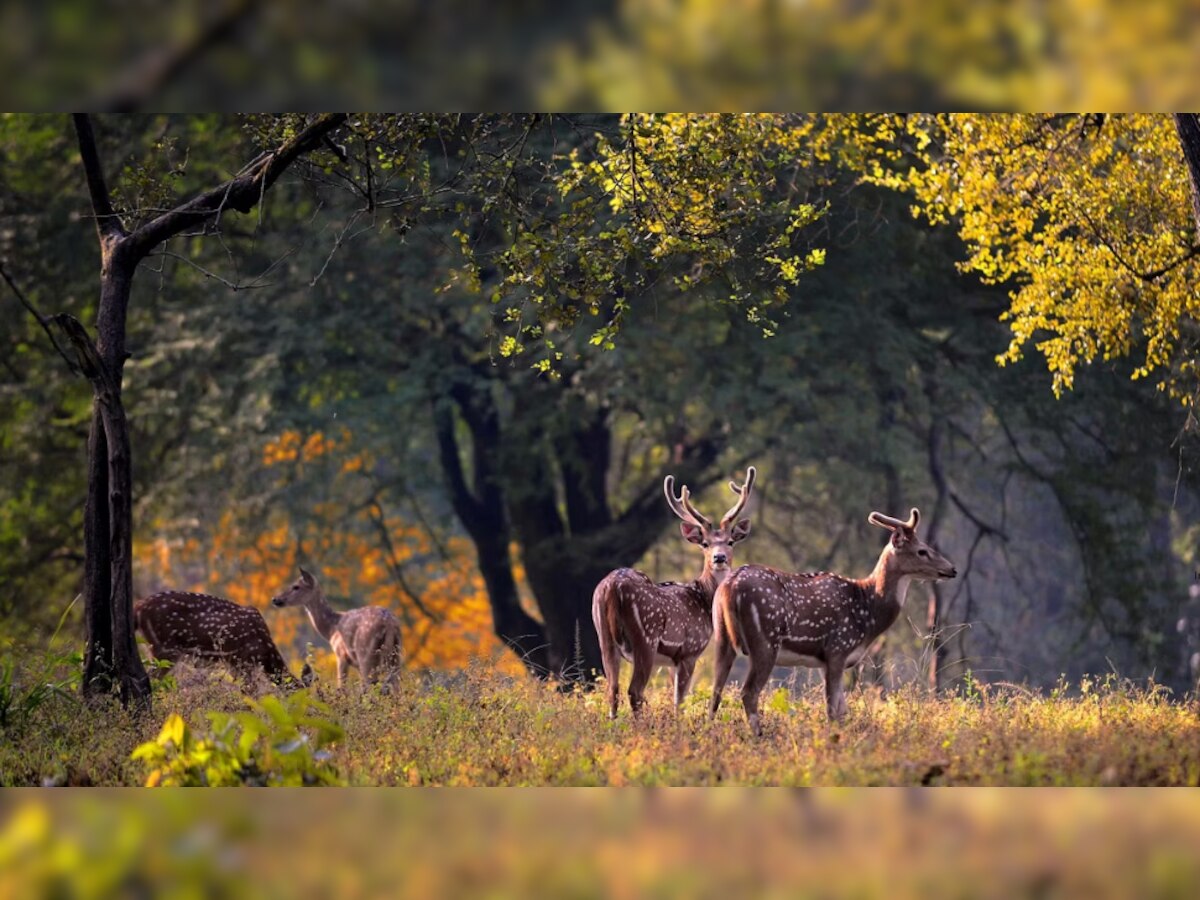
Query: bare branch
column 232, row 285
column 90, row 361
column 393, row 560
column 42, row 320
column 108, row 223
column 242, row 193
column 984, row 527
column 146, row 78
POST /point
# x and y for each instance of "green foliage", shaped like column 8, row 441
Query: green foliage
column 19, row 701
column 699, row 198
column 278, row 742
column 56, row 674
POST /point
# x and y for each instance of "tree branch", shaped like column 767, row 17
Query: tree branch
column 465, row 504
column 1154, row 274
column 108, row 223
column 393, row 560
column 148, row 76
column 984, row 527
column 42, row 320
column 241, row 193
column 90, row 361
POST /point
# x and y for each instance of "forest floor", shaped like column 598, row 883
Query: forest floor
column 480, row 728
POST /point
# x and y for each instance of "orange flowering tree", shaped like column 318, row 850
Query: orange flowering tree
column 364, row 556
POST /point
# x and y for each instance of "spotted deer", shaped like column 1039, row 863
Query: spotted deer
column 367, row 638
column 816, row 619
column 669, row 623
column 183, row 625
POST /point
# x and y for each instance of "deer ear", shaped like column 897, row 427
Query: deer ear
column 741, row 531
column 306, row 576
column 899, row 537
column 692, row 533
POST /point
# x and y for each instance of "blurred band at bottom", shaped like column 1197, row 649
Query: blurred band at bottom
column 894, row 843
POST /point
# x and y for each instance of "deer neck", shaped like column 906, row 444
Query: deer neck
column 322, row 615
column 886, row 589
column 710, row 579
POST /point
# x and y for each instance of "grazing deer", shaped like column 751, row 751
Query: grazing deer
column 180, row 624
column 668, row 623
column 816, row 619
column 367, row 638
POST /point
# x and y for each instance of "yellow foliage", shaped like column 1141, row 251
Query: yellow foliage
column 1089, row 218
column 830, row 54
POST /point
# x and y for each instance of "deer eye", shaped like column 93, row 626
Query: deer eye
column 922, row 553
column 704, row 544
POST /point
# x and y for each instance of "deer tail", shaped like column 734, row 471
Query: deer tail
column 725, row 603
column 605, row 616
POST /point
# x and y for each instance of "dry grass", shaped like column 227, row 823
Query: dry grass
column 480, row 728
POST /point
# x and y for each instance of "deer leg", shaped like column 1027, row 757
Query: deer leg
column 612, row 679
column 643, row 668
column 762, row 661
column 343, row 665
column 368, row 666
column 684, row 671
column 725, row 657
column 835, row 695
column 392, row 682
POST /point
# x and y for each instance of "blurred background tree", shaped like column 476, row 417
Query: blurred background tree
column 640, row 54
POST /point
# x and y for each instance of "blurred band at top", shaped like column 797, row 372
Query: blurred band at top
column 627, row 54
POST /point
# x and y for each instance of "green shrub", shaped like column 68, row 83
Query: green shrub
column 280, row 741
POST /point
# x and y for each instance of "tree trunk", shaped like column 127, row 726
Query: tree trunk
column 97, row 583
column 111, row 653
column 563, row 584
column 519, row 631
column 1187, row 125
column 568, row 551
column 481, row 512
column 935, row 614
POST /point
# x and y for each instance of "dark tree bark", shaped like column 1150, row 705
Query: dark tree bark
column 935, row 611
column 518, row 474
column 1188, row 127
column 481, row 512
column 566, row 553
column 111, row 655
column 110, row 433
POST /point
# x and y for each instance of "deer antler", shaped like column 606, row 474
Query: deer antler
column 682, row 505
column 743, row 492
column 878, row 518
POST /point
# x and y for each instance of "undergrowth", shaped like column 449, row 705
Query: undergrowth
column 480, row 728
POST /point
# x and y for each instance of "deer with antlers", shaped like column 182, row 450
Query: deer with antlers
column 367, row 638
column 182, row 624
column 816, row 619
column 669, row 623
